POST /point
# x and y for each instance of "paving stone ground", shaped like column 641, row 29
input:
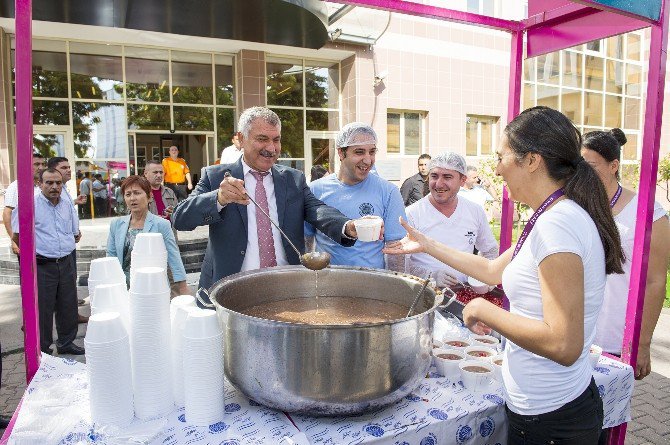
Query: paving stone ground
column 650, row 423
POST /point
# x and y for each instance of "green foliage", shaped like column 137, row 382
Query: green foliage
column 664, row 176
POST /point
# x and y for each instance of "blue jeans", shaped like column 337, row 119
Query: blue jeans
column 578, row 422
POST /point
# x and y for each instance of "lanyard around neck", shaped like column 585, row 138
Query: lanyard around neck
column 616, row 196
column 533, row 219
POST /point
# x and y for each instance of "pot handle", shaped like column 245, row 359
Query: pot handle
column 203, row 302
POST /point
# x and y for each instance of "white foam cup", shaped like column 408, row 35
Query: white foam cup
column 455, row 342
column 368, row 229
column 181, row 300
column 497, row 367
column 480, row 353
column 149, row 244
column 485, row 340
column 202, row 324
column 476, row 381
column 594, row 355
column 448, row 367
column 149, row 280
column 105, row 327
column 437, row 344
column 478, row 286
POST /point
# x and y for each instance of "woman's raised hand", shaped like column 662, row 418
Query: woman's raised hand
column 413, row 242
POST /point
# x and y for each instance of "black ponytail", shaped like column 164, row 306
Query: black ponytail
column 607, row 144
column 550, row 134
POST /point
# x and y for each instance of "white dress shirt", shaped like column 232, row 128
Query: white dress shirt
column 55, row 227
column 230, row 155
column 252, row 258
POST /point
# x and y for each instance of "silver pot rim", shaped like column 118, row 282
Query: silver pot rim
column 223, row 282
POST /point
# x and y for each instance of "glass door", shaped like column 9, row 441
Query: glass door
column 56, row 140
column 320, row 150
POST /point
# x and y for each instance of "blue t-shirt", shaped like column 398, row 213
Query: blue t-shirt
column 373, row 196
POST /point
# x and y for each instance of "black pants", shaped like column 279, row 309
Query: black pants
column 57, row 294
column 100, row 207
column 576, row 423
column 180, row 190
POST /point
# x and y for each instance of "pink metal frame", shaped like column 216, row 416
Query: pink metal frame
column 562, row 14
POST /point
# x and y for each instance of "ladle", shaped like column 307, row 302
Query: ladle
column 311, row 260
column 416, row 299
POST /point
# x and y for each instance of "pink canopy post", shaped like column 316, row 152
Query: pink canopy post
column 24, row 149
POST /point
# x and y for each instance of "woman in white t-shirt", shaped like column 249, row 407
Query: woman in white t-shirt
column 602, row 149
column 554, row 279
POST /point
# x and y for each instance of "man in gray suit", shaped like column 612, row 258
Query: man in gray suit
column 240, row 236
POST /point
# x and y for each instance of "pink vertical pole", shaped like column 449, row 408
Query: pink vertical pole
column 513, row 107
column 645, row 205
column 24, row 145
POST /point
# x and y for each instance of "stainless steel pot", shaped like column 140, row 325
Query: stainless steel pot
column 324, row 370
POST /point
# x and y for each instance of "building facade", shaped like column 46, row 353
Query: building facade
column 110, row 99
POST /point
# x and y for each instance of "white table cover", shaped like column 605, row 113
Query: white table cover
column 439, row 411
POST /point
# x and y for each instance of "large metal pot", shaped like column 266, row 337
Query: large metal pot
column 324, row 370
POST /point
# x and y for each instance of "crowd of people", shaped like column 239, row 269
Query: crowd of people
column 566, row 278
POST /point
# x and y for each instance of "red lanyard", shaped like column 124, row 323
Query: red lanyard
column 533, row 219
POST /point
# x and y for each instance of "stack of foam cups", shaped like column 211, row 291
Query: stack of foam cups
column 181, row 313
column 148, row 251
column 104, row 271
column 203, row 368
column 180, row 300
column 150, row 343
column 113, row 298
column 109, row 370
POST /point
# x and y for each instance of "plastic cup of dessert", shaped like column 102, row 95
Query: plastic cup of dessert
column 447, row 360
column 481, row 353
column 368, row 229
column 476, row 375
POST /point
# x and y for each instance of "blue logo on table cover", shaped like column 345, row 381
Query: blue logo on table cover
column 69, row 361
column 487, row 427
column 182, row 418
column 602, row 370
column 374, row 430
column 218, row 427
column 413, row 398
column 230, row 442
column 429, row 440
column 438, row 414
column 231, row 407
column 601, row 391
column 463, row 433
column 494, row 398
column 74, row 438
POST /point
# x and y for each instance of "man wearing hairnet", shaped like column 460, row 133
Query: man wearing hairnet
column 441, row 215
column 357, row 193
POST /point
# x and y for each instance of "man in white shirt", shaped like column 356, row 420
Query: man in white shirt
column 12, row 197
column 56, row 227
column 477, row 190
column 457, row 223
column 233, row 152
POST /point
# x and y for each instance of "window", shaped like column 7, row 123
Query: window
column 481, row 132
column 485, row 7
column 405, row 132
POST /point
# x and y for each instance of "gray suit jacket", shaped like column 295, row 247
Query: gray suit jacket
column 228, row 228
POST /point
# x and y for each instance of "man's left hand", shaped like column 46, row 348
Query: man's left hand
column 77, row 237
column 181, row 288
column 189, row 186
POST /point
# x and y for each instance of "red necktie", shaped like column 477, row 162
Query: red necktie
column 266, row 242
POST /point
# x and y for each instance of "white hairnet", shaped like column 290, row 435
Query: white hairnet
column 356, row 133
column 448, row 161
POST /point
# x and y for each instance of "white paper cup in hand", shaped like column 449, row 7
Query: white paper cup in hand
column 368, row 229
column 476, row 375
column 594, row 355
